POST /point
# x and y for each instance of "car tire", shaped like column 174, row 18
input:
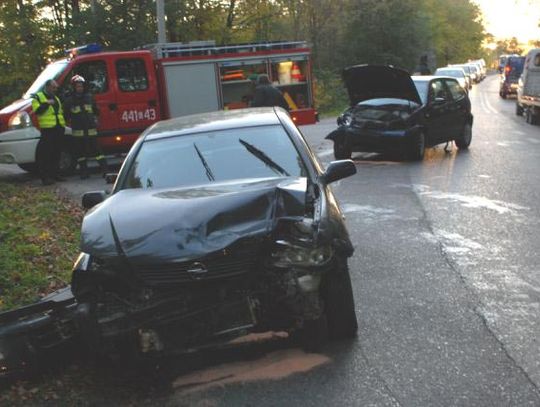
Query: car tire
column 68, row 161
column 341, row 150
column 503, row 94
column 530, row 117
column 464, row 140
column 29, row 167
column 338, row 297
column 314, row 334
column 417, row 147
column 519, row 110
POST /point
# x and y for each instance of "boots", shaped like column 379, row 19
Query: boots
column 83, row 168
column 103, row 166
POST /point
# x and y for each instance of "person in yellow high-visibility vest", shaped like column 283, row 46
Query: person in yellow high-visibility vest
column 48, row 109
column 81, row 113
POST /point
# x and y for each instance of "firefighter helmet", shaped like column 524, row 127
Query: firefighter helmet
column 77, row 79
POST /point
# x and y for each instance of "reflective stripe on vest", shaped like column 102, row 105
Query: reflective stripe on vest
column 80, row 133
column 47, row 119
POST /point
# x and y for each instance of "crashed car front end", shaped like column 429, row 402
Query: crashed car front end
column 266, row 278
column 378, row 125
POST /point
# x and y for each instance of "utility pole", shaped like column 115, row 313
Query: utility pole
column 160, row 13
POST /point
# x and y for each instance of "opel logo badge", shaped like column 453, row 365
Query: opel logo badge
column 197, row 270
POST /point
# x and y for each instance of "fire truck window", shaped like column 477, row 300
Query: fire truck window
column 95, row 75
column 131, row 75
column 238, row 82
column 290, row 76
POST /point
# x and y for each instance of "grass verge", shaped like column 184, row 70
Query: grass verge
column 39, row 239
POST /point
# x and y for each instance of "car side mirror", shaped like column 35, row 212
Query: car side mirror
column 91, row 199
column 338, row 170
column 110, row 178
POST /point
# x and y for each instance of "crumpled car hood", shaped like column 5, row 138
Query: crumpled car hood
column 364, row 82
column 162, row 225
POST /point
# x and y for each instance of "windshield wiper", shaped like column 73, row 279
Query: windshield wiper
column 264, row 158
column 206, row 166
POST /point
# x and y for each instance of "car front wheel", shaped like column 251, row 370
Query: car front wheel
column 341, row 150
column 464, row 140
column 417, row 147
column 338, row 297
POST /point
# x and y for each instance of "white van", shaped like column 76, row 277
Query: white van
column 528, row 92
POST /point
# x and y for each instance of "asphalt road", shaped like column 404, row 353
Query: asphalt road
column 446, row 279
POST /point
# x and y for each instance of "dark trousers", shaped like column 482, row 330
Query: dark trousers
column 86, row 147
column 48, row 151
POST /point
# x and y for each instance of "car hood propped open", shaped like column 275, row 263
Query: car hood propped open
column 364, row 82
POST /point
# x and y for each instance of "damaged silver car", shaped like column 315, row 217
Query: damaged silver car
column 218, row 225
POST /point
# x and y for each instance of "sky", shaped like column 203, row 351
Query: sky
column 511, row 18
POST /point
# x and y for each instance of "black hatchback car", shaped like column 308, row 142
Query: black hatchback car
column 219, row 224
column 392, row 111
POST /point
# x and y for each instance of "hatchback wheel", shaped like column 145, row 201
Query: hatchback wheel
column 417, row 147
column 464, row 140
column 341, row 150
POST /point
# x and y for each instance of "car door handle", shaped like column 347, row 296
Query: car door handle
column 152, row 103
column 113, row 106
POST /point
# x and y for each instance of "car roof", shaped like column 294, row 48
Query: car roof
column 426, row 78
column 212, row 121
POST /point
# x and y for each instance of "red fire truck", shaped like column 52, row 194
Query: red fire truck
column 134, row 89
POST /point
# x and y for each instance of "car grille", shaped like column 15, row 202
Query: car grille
column 234, row 260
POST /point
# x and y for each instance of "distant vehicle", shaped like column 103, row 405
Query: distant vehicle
column 502, row 63
column 220, row 224
column 528, row 90
column 510, row 76
column 475, row 68
column 392, row 111
column 454, row 72
column 468, row 73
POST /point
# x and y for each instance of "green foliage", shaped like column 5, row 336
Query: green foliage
column 330, row 94
column 39, row 235
column 23, row 47
column 340, row 33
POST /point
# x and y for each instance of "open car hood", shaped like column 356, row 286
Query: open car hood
column 150, row 226
column 364, row 82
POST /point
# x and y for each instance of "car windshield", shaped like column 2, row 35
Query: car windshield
column 422, row 88
column 455, row 73
column 52, row 71
column 223, row 155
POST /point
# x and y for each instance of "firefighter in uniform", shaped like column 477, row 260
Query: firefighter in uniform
column 81, row 113
column 48, row 109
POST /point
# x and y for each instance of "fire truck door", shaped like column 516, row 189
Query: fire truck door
column 137, row 104
column 96, row 73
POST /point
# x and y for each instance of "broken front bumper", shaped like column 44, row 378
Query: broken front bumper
column 29, row 333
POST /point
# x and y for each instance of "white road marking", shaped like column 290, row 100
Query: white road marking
column 471, row 201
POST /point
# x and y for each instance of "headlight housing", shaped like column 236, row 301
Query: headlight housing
column 289, row 255
column 19, row 120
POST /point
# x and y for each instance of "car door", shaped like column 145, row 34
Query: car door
column 458, row 109
column 137, row 103
column 437, row 112
column 96, row 72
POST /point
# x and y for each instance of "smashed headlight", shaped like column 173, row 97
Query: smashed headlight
column 289, row 255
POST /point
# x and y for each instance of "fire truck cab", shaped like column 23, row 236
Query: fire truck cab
column 134, row 89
